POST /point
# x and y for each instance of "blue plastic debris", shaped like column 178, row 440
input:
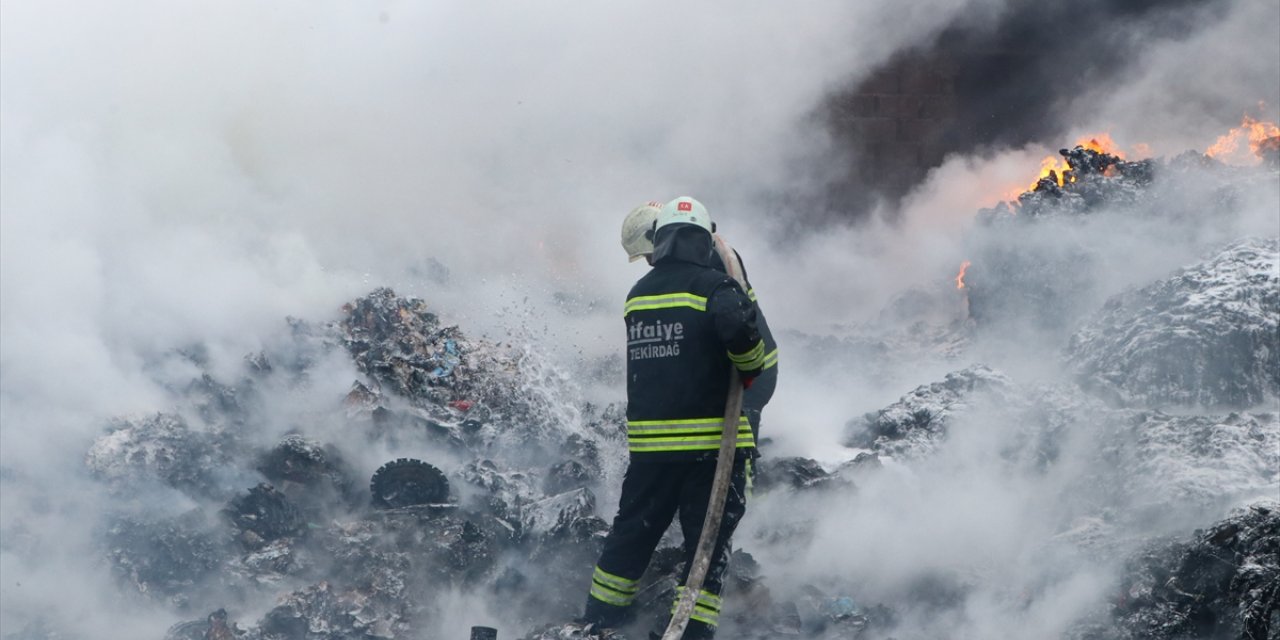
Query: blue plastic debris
column 448, row 360
column 838, row 607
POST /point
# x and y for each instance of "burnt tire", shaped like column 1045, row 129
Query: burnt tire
column 406, row 482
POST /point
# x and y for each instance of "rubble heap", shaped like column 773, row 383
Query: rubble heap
column 1203, row 337
column 345, row 557
column 1151, row 461
column 409, row 354
column 162, row 447
column 1146, row 461
column 1224, row 582
column 919, row 422
column 403, row 347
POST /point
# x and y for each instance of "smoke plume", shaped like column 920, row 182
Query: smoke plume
column 181, row 174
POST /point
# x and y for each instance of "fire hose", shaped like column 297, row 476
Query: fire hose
column 719, row 488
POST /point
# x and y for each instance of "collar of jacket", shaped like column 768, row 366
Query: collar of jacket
column 684, row 243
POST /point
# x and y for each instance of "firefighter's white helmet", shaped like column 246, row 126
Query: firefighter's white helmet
column 637, row 230
column 685, row 210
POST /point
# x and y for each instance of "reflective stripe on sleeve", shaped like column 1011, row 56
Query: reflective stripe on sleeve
column 752, row 359
column 770, row 359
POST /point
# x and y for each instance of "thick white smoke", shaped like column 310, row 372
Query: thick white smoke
column 180, row 173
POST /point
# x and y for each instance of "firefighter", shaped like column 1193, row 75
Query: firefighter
column 637, row 241
column 687, row 324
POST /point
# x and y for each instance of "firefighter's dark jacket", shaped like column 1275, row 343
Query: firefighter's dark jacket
column 687, row 324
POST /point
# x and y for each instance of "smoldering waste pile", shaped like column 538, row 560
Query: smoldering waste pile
column 502, row 506
column 301, row 537
column 1148, row 363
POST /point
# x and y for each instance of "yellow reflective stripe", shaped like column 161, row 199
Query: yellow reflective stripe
column 751, row 293
column 771, row 359
column 705, row 598
column 753, row 359
column 649, row 433
column 617, row 583
column 676, row 437
column 749, row 355
column 603, row 594
column 673, row 436
column 654, row 431
column 744, row 441
column 692, row 434
column 706, row 437
column 713, row 438
column 706, row 609
column 658, row 431
column 665, row 301
column 666, row 428
column 710, row 619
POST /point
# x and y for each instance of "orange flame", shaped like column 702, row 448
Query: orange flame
column 1055, row 164
column 1255, row 132
column 1102, row 143
column 964, row 266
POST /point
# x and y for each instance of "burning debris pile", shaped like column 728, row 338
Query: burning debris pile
column 1042, row 261
column 1096, row 174
column 1092, row 177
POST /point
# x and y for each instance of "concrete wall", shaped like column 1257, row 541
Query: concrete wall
column 895, row 123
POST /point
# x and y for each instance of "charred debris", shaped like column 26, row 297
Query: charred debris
column 1096, row 178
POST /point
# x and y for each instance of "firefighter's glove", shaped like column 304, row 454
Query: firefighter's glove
column 748, row 377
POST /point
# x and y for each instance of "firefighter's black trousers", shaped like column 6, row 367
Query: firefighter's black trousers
column 652, row 494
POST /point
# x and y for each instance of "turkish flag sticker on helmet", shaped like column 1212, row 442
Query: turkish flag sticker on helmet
column 683, row 210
